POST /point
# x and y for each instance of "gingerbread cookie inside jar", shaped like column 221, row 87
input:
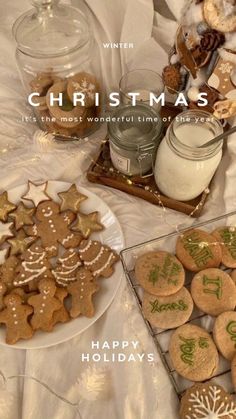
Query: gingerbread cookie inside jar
column 202, row 62
column 59, row 68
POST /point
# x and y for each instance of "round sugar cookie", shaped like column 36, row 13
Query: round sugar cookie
column 207, row 401
column 86, row 84
column 226, row 236
column 224, row 334
column 198, row 250
column 193, row 353
column 213, row 291
column 159, row 273
column 170, row 311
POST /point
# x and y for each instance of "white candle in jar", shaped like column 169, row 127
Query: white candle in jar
column 182, row 169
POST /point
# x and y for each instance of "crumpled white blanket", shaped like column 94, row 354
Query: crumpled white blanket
column 139, row 390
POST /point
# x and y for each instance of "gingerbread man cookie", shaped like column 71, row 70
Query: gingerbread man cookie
column 3, row 290
column 61, row 315
column 45, row 305
column 15, row 317
column 81, row 292
column 52, row 227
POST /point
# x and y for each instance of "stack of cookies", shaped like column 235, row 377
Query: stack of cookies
column 73, row 118
column 50, row 267
column 210, row 260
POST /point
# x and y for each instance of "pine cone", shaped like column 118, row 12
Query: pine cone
column 211, row 40
column 172, row 78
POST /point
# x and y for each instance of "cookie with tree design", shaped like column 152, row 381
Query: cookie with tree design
column 67, row 267
column 207, row 401
column 98, row 258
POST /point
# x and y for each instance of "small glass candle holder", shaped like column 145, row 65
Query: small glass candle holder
column 142, row 82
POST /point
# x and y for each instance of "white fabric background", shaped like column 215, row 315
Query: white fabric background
column 140, row 391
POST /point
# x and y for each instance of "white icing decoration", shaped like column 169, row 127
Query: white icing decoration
column 51, row 248
column 36, row 272
column 5, row 230
column 48, row 214
column 66, row 239
column 67, row 219
column 62, row 259
column 93, row 261
column 98, row 271
column 64, row 275
column 36, row 193
column 204, row 406
column 88, row 245
column 35, row 230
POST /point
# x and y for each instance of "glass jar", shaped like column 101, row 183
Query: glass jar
column 183, row 170
column 134, row 135
column 59, row 67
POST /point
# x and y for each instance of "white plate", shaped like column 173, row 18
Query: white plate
column 112, row 236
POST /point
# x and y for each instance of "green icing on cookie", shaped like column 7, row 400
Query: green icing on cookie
column 231, row 329
column 229, row 239
column 156, row 307
column 187, row 349
column 215, row 286
column 200, row 255
column 169, row 270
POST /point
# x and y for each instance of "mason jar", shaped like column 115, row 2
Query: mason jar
column 134, row 135
column 56, row 56
column 183, row 170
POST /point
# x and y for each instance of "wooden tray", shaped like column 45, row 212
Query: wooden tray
column 102, row 171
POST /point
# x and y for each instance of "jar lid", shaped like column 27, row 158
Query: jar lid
column 135, row 127
column 51, row 29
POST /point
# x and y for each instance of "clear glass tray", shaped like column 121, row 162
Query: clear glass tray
column 161, row 337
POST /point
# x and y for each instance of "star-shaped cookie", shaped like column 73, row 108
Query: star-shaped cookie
column 87, row 223
column 20, row 243
column 5, row 206
column 22, row 216
column 3, row 254
column 71, row 199
column 36, row 193
column 5, row 231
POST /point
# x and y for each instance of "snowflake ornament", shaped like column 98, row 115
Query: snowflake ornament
column 226, row 68
column 207, row 401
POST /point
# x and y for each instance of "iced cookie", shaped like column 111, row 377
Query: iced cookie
column 71, row 199
column 22, row 216
column 226, row 237
column 220, row 14
column 15, row 317
column 159, row 273
column 168, row 312
column 45, row 304
column 52, row 228
column 224, row 333
column 193, row 353
column 67, row 267
column 6, row 206
column 83, row 83
column 213, row 291
column 207, row 401
column 5, row 231
column 20, row 243
column 87, row 224
column 98, row 258
column 198, row 250
column 34, row 266
column 36, row 193
column 82, row 291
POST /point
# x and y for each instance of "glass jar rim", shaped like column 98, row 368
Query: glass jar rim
column 193, row 152
column 151, row 137
column 135, row 71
